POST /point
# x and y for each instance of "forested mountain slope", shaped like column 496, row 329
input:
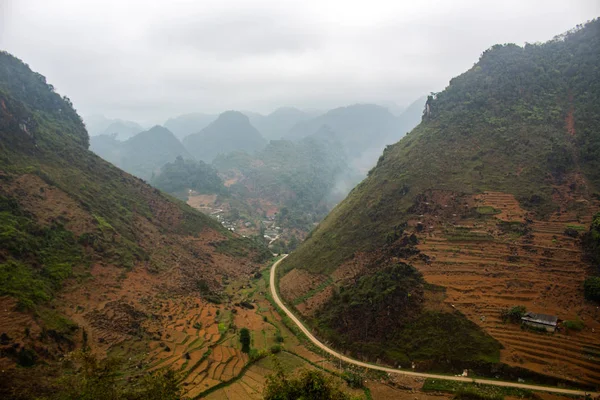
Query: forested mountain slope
column 86, row 250
column 231, row 131
column 478, row 197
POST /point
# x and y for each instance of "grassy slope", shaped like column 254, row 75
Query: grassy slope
column 43, row 137
column 503, row 125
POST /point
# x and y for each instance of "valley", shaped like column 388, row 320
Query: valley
column 446, row 249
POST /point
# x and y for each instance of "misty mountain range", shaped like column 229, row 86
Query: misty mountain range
column 362, row 129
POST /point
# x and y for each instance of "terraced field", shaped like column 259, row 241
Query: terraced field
column 539, row 268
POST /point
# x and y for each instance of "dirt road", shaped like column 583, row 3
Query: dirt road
column 316, row 341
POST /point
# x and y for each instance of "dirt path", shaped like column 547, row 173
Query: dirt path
column 316, row 342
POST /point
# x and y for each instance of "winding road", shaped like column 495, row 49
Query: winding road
column 334, row 353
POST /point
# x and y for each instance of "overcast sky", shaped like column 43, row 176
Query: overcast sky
column 148, row 60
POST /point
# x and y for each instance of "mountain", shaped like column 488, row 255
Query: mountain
column 475, row 211
column 279, row 122
column 363, row 130
column 180, row 176
column 88, row 253
column 231, row 131
column 142, row 155
column 100, row 125
column 187, row 124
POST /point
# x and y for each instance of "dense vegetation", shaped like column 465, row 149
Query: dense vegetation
column 300, row 177
column 381, row 316
column 308, row 384
column 142, row 155
column 231, row 131
column 521, row 120
column 181, row 175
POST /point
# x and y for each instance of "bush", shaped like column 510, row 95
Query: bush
column 591, row 288
column 245, row 339
column 574, row 325
column 309, row 384
column 278, row 338
column 275, row 349
column 354, row 380
column 513, row 314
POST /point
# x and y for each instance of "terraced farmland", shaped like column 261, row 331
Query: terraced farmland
column 539, row 267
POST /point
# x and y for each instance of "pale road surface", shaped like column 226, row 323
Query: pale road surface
column 405, row 372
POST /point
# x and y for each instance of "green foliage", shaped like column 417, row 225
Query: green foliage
column 591, row 242
column 474, row 391
column 487, row 210
column 513, row 314
column 298, row 176
column 357, row 318
column 353, row 379
column 591, row 288
column 181, row 175
column 237, row 246
column 39, row 258
column 499, row 126
column 100, row 379
column 245, row 339
column 576, row 325
column 308, row 384
column 276, row 348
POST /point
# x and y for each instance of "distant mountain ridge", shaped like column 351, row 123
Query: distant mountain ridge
column 142, row 155
column 231, row 131
column 188, row 124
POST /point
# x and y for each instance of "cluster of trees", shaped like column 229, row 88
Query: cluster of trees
column 180, row 175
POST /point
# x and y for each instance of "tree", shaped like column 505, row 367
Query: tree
column 245, row 339
column 308, row 384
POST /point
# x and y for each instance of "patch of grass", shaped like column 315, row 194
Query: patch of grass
column 576, row 325
column 313, row 291
column 464, row 390
column 487, row 210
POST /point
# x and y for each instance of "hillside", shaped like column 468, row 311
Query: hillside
column 180, row 176
column 302, row 180
column 142, row 155
column 363, row 130
column 187, row 124
column 277, row 124
column 482, row 198
column 231, row 131
column 89, row 253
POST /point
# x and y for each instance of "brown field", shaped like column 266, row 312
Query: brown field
column 542, row 271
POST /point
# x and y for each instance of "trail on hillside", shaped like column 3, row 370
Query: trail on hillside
column 349, row 360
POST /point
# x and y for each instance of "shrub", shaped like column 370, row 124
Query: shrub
column 245, row 339
column 591, row 288
column 513, row 314
column 275, row 349
column 354, row 380
column 577, row 325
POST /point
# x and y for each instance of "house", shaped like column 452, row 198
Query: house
column 540, row 321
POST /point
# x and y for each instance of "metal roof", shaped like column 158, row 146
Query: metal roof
column 540, row 318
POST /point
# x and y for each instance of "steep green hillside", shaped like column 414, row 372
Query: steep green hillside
column 142, row 155
column 181, row 175
column 520, row 121
column 230, row 132
column 64, row 210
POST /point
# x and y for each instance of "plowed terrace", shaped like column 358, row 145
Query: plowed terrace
column 485, row 269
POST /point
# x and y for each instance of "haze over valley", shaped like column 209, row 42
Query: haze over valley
column 299, row 200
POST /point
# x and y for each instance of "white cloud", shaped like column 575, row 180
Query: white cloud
column 148, row 60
